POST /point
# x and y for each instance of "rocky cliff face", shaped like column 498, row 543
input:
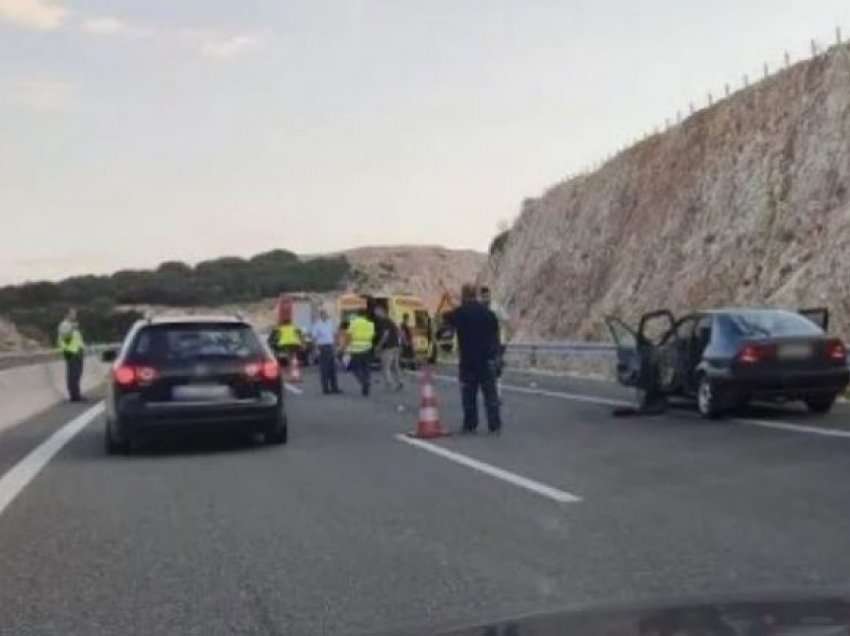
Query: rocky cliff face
column 745, row 202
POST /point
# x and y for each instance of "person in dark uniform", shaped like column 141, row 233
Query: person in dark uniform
column 477, row 332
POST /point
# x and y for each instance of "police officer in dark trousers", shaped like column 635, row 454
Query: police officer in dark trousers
column 478, row 340
column 71, row 345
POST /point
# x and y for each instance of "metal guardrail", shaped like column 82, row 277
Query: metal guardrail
column 566, row 346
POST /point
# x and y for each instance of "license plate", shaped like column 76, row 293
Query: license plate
column 201, row 392
column 795, row 351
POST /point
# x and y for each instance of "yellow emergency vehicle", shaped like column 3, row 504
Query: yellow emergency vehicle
column 444, row 336
column 348, row 305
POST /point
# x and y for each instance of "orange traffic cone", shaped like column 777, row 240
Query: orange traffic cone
column 295, row 370
column 429, row 425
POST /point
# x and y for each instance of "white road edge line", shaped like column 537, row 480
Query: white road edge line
column 780, row 426
column 536, row 487
column 292, row 388
column 575, row 397
column 795, row 428
column 22, row 473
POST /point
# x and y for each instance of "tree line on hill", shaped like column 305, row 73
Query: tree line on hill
column 36, row 308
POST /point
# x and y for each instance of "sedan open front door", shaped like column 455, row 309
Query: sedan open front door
column 628, row 357
column 656, row 327
column 638, row 354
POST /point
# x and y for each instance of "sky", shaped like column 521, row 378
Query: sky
column 137, row 132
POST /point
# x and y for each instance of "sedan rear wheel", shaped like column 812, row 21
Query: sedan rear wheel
column 708, row 402
column 820, row 403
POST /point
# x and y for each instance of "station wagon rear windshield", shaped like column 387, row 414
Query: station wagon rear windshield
column 766, row 324
column 187, row 342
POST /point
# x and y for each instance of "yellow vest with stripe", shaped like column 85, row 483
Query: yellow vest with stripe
column 287, row 335
column 362, row 332
column 71, row 344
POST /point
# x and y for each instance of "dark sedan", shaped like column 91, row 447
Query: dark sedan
column 726, row 357
column 193, row 374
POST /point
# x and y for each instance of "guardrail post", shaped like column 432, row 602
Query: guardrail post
column 533, row 358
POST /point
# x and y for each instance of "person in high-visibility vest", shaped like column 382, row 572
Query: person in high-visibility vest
column 70, row 343
column 361, row 333
column 288, row 340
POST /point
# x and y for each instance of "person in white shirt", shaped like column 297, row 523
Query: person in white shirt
column 324, row 337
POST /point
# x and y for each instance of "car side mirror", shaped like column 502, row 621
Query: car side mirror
column 109, row 355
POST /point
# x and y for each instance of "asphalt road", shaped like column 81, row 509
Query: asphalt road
column 348, row 530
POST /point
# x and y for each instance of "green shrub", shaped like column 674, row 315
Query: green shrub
column 38, row 307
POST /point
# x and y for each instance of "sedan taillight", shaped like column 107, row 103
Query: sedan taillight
column 755, row 353
column 750, row 354
column 835, row 350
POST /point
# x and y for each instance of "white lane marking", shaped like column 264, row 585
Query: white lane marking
column 592, row 399
column 293, row 389
column 22, row 473
column 795, row 428
column 536, row 487
column 575, row 397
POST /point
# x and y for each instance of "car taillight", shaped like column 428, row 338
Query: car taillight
column 146, row 375
column 749, row 355
column 266, row 370
column 835, row 350
column 124, row 375
column 753, row 354
column 271, row 370
column 127, row 375
column 253, row 370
